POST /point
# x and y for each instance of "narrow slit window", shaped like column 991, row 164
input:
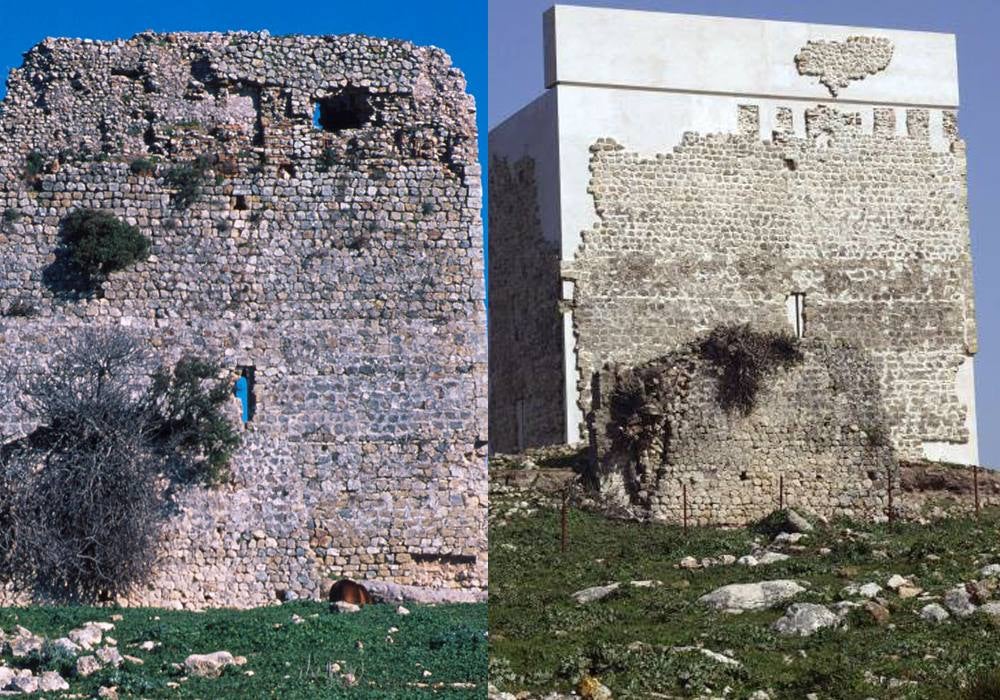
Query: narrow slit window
column 519, row 417
column 244, row 391
column 795, row 307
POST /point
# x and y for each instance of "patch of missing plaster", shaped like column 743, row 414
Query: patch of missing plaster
column 837, row 63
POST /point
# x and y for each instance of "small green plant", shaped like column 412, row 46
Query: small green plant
column 99, row 243
column 142, row 166
column 187, row 401
column 20, row 309
column 327, row 160
column 743, row 358
column 34, row 164
column 187, row 179
column 985, row 686
column 11, row 215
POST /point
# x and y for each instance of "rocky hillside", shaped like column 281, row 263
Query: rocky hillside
column 787, row 609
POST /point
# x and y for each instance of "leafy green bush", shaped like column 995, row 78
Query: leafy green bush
column 142, row 166
column 100, row 244
column 189, row 419
column 744, row 357
column 11, row 215
column 327, row 160
column 34, row 164
column 187, row 179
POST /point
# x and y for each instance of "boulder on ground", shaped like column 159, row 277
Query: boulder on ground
column 51, row 681
column 589, row 595
column 933, row 613
column 88, row 636
column 87, row 665
column 211, row 665
column 804, row 619
column 959, row 602
column 738, row 597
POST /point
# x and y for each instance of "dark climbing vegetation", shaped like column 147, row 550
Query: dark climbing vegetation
column 84, row 496
column 187, row 180
column 20, row 309
column 99, row 244
column 744, row 358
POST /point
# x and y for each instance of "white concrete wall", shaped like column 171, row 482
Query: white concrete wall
column 533, row 132
column 692, row 53
column 957, row 452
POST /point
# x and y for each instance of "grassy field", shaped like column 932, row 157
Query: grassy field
column 441, row 646
column 542, row 640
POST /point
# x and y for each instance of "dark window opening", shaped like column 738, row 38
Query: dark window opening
column 871, row 476
column 286, row 171
column 743, row 476
column 239, row 202
column 244, row 390
column 351, row 108
column 795, row 307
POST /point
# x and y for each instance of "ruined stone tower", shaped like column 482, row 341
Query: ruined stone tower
column 333, row 249
column 683, row 172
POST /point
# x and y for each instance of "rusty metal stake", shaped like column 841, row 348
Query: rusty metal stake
column 892, row 510
column 565, row 528
column 975, row 485
column 684, row 492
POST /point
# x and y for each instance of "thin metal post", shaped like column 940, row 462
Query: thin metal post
column 684, row 492
column 565, row 527
column 975, row 485
column 892, row 510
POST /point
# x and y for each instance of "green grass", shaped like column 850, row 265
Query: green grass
column 287, row 660
column 541, row 640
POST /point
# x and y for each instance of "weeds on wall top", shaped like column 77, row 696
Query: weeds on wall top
column 187, row 180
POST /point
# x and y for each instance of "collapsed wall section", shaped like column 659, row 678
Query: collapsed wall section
column 664, row 447
column 332, row 242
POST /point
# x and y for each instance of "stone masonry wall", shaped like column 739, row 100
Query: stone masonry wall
column 871, row 226
column 526, row 333
column 342, row 260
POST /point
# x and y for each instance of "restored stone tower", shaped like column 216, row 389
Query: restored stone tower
column 684, row 172
column 333, row 249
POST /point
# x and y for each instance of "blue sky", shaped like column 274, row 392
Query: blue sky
column 456, row 26
column 515, row 63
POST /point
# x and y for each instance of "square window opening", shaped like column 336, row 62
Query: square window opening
column 350, row 108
